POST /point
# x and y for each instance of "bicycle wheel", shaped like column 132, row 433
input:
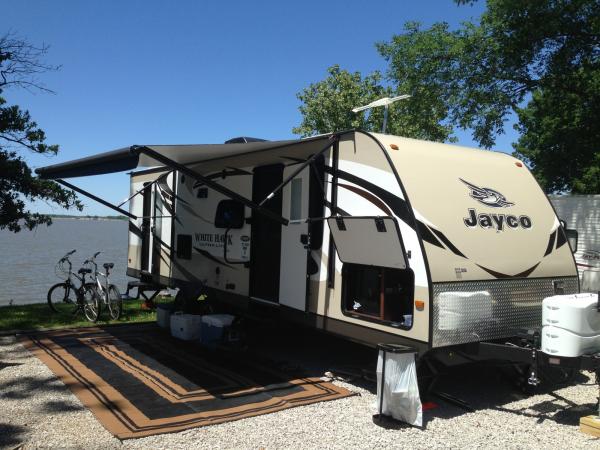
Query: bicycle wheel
column 91, row 303
column 115, row 302
column 61, row 293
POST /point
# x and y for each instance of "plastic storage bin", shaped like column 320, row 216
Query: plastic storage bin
column 186, row 326
column 213, row 328
column 163, row 314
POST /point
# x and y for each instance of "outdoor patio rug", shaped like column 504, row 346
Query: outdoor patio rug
column 139, row 381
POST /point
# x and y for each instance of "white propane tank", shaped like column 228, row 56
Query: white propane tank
column 570, row 325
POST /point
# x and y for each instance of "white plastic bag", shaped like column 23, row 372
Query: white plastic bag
column 401, row 398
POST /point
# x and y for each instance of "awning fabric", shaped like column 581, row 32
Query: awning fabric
column 203, row 157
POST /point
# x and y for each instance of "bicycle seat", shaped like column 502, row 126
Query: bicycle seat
column 108, row 265
column 84, row 270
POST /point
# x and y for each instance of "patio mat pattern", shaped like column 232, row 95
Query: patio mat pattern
column 139, row 381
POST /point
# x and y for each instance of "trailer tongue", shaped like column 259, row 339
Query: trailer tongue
column 567, row 339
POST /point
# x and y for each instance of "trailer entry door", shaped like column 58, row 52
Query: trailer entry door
column 265, row 243
column 157, row 231
column 146, row 227
column 370, row 241
column 293, row 253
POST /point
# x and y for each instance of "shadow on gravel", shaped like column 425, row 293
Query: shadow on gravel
column 60, row 406
column 11, row 435
column 487, row 387
column 4, row 364
column 26, row 387
column 480, row 386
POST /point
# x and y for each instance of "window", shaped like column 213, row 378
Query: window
column 316, row 202
column 229, row 214
column 296, row 199
column 158, row 212
column 378, row 293
column 184, row 246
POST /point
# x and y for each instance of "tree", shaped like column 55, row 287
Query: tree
column 538, row 60
column 560, row 136
column 327, row 106
column 20, row 64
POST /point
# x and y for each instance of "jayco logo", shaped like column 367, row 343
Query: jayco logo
column 494, row 199
column 487, row 196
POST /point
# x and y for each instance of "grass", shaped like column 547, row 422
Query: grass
column 39, row 316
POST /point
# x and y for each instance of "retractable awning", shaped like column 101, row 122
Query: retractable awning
column 210, row 156
column 196, row 161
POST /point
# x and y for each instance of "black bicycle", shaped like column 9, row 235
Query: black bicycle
column 83, row 297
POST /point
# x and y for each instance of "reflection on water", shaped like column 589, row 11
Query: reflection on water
column 29, row 257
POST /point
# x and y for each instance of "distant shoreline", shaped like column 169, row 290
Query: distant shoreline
column 67, row 216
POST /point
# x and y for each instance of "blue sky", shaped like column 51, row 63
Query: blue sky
column 150, row 72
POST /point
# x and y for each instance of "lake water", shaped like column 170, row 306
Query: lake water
column 29, row 257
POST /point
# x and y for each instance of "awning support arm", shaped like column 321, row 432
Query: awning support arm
column 210, row 183
column 98, row 199
column 334, row 138
column 139, row 191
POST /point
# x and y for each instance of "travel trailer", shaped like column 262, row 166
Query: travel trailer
column 582, row 214
column 373, row 237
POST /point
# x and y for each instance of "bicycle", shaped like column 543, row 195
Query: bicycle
column 107, row 293
column 84, row 296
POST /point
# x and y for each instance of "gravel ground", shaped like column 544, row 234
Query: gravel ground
column 38, row 411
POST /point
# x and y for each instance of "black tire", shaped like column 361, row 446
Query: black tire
column 91, row 303
column 115, row 302
column 61, row 293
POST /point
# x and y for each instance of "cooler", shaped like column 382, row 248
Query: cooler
column 163, row 314
column 186, row 326
column 213, row 328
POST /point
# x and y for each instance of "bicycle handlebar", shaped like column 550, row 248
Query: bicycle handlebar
column 64, row 258
column 92, row 261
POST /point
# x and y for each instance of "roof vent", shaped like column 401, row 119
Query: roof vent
column 244, row 140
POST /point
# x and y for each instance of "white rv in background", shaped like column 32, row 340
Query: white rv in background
column 582, row 213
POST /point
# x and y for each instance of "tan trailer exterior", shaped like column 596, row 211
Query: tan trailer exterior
column 373, row 237
column 474, row 225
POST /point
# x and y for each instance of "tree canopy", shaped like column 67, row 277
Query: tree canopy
column 538, row 61
column 20, row 63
